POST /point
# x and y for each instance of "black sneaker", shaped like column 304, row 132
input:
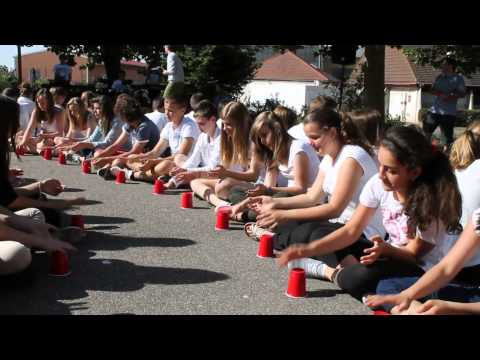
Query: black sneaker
column 106, row 173
column 165, row 178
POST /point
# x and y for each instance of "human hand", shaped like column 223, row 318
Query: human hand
column 296, row 251
column 218, row 172
column 438, row 307
column 185, row 177
column 15, row 172
column 258, row 190
column 375, row 251
column 271, row 219
column 42, row 233
column 401, row 301
column 261, row 203
column 176, row 170
column 51, row 187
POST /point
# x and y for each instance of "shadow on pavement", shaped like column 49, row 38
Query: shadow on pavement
column 101, row 241
column 322, row 293
column 69, row 189
column 97, row 219
column 108, row 275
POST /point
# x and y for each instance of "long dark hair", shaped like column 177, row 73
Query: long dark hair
column 106, row 106
column 347, row 130
column 48, row 115
column 9, row 124
column 434, row 194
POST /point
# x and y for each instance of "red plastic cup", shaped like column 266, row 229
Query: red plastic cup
column 47, row 153
column 223, row 221
column 158, row 187
column 61, row 158
column 86, row 167
column 381, row 313
column 265, row 248
column 78, row 221
column 59, row 265
column 20, row 151
column 120, row 177
column 296, row 284
column 187, row 202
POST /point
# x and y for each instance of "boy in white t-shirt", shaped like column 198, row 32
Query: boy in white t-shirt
column 158, row 114
column 206, row 154
column 180, row 134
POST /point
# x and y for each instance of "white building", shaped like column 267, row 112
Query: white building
column 407, row 87
column 289, row 79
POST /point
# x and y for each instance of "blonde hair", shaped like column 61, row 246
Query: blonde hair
column 235, row 150
column 466, row 149
column 82, row 121
column 280, row 138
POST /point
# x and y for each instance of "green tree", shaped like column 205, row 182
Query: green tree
column 7, row 78
column 467, row 56
column 228, row 66
column 110, row 55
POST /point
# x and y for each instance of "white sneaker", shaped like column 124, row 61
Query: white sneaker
column 313, row 268
column 115, row 170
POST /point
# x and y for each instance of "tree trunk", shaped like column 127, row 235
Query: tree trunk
column 19, row 64
column 375, row 78
column 111, row 59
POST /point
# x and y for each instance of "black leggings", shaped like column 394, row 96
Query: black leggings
column 308, row 231
column 359, row 280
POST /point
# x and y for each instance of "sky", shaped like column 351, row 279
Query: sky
column 7, row 52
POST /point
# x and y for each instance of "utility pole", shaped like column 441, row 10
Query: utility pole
column 19, row 64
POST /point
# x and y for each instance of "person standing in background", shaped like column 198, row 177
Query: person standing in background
column 174, row 70
column 449, row 86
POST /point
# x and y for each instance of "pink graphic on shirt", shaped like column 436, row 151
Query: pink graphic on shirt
column 395, row 223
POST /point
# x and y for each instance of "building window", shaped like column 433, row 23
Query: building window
column 34, row 74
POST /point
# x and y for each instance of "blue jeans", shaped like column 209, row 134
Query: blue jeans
column 452, row 292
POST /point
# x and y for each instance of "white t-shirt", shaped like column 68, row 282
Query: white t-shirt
column 331, row 170
column 26, row 109
column 186, row 129
column 219, row 123
column 191, row 115
column 158, row 118
column 395, row 221
column 298, row 133
column 469, row 184
column 206, row 152
column 286, row 173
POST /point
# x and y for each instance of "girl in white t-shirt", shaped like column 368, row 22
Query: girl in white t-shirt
column 417, row 194
column 346, row 167
column 239, row 164
column 465, row 159
column 46, row 123
column 291, row 165
column 446, row 297
column 80, row 123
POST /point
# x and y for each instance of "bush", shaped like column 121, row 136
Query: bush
column 393, row 121
column 464, row 117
